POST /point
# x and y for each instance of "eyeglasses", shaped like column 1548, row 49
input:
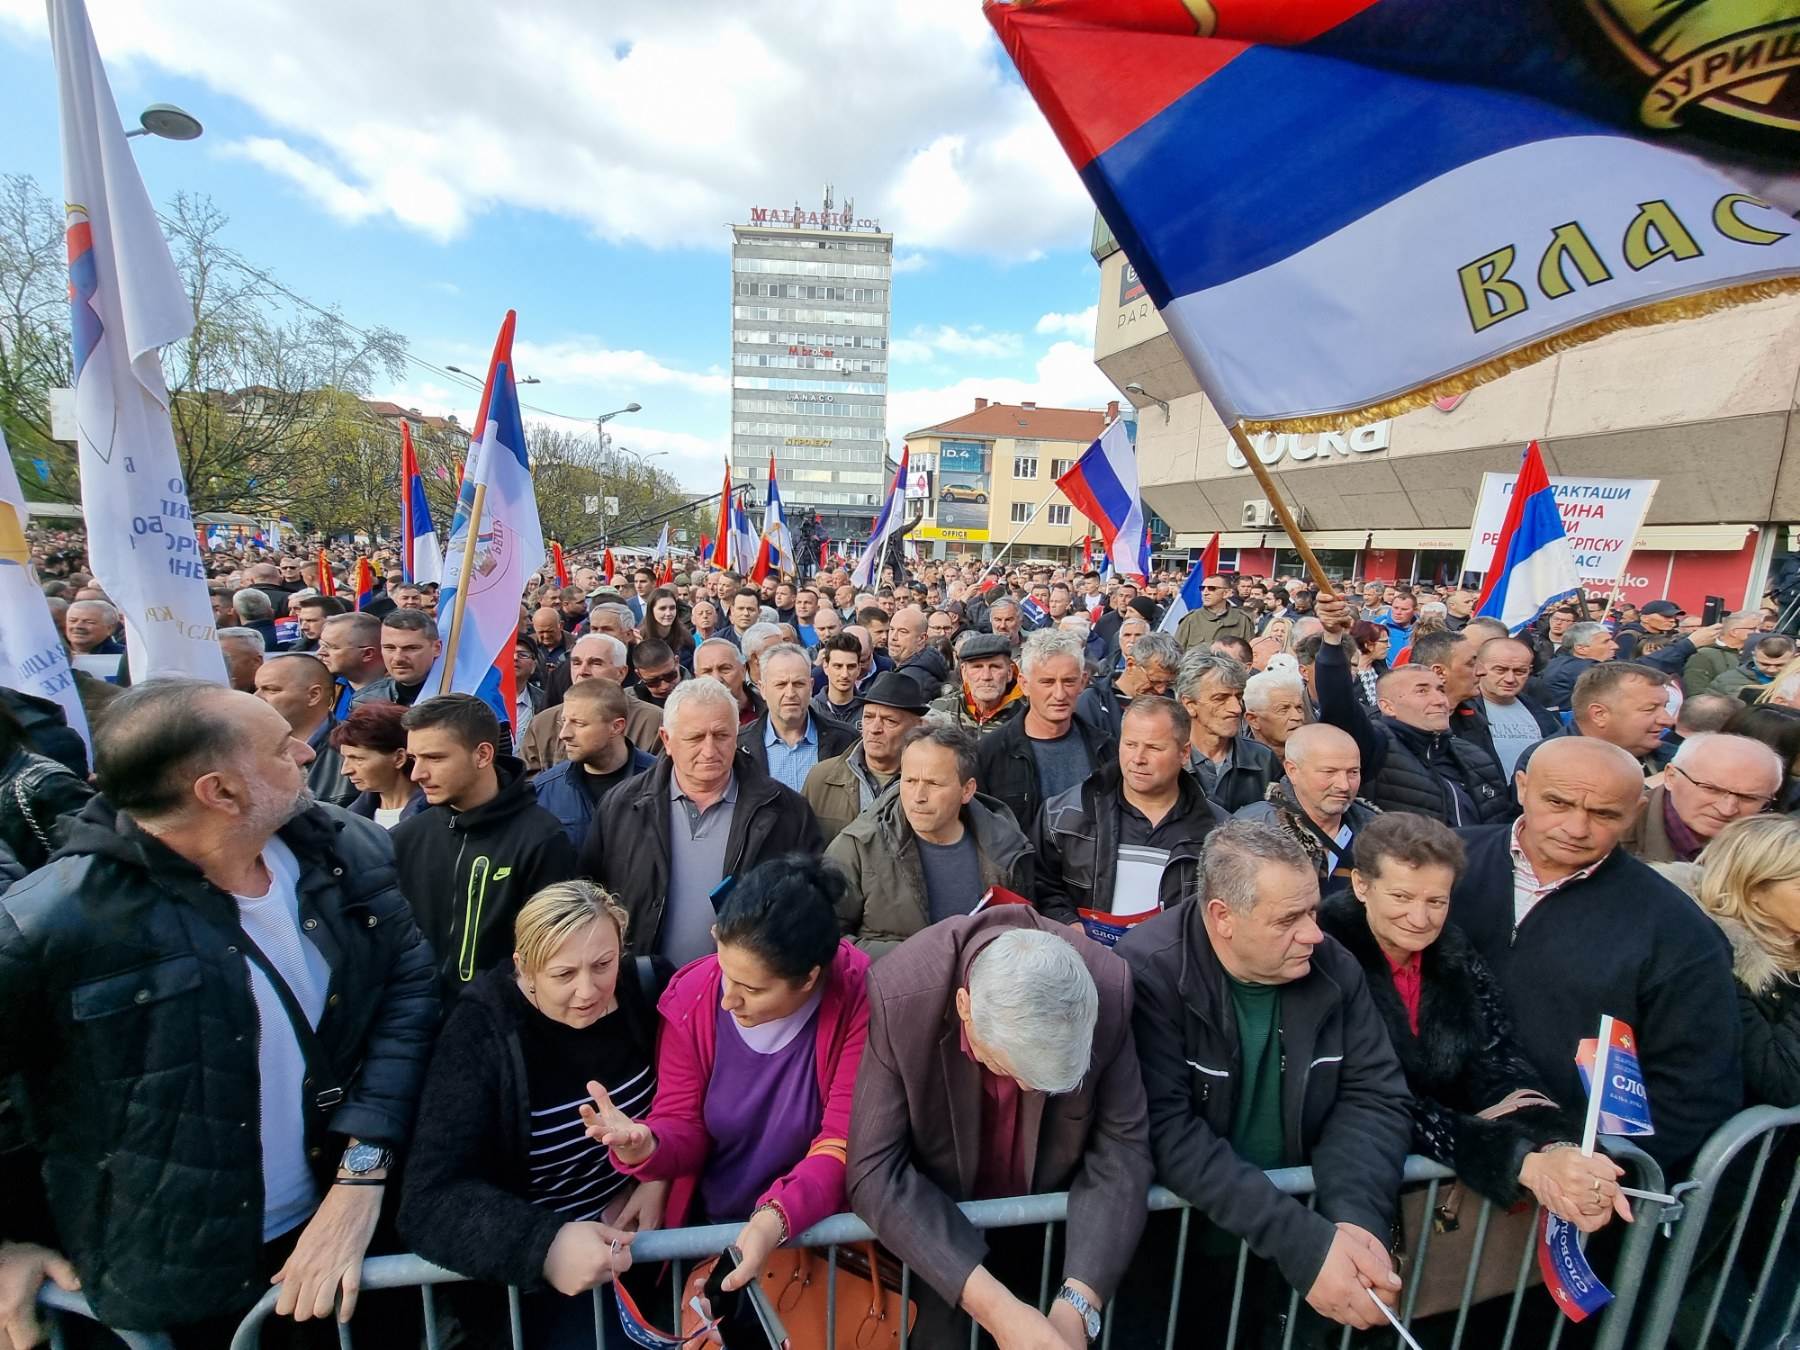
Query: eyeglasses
column 659, row 677
column 1753, row 802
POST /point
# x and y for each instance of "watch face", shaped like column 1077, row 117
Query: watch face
column 363, row 1158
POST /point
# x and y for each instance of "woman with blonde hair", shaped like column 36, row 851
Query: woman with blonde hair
column 502, row 1182
column 1272, row 639
column 1784, row 689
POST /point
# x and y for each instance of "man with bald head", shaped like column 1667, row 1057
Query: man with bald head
column 1575, row 927
column 1315, row 803
column 1713, row 780
column 548, row 638
column 299, row 687
column 909, row 648
column 593, row 656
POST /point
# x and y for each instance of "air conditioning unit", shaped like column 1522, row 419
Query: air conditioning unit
column 1258, row 515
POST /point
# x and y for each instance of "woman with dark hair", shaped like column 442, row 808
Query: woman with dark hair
column 755, row 1067
column 36, row 794
column 1777, row 726
column 1372, row 641
column 1478, row 1105
column 372, row 744
column 662, row 620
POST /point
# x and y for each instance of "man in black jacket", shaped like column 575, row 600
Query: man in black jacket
column 1127, row 840
column 153, row 982
column 1233, row 769
column 482, row 848
column 1574, row 927
column 1501, row 718
column 1410, row 761
column 1315, row 803
column 1260, row 1049
column 1048, row 749
column 664, row 841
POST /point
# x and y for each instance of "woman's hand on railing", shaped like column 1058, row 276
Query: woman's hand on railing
column 630, row 1140
column 643, row 1208
column 583, row 1255
column 757, row 1241
column 1579, row 1188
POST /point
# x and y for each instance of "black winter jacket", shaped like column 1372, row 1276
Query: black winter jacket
column 1076, row 837
column 1405, row 769
column 1556, row 685
column 1253, row 767
column 465, row 1202
column 38, row 798
column 1621, row 941
column 1344, row 1099
column 1281, row 810
column 1005, row 767
column 627, row 850
column 468, row 873
column 126, row 1011
column 1463, row 1059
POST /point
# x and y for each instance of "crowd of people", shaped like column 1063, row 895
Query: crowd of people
column 767, row 900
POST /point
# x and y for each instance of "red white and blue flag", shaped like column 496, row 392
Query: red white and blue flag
column 1567, row 1275
column 1033, row 615
column 1533, row 567
column 893, row 512
column 775, row 551
column 421, row 560
column 365, row 583
column 1103, row 485
column 1189, row 599
column 1511, row 176
column 1624, row 1105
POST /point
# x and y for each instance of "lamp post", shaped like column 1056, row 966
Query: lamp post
column 168, row 122
column 458, row 370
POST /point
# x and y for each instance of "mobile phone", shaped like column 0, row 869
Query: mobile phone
column 1713, row 612
column 774, row 1332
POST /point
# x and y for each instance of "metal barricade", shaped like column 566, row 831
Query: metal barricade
column 1738, row 1291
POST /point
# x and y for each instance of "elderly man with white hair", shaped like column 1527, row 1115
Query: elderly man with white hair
column 1049, row 749
column 664, row 840
column 1275, row 706
column 92, row 628
column 1713, row 780
column 1000, row 1062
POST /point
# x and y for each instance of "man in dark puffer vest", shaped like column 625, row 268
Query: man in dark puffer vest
column 202, row 896
column 1410, row 761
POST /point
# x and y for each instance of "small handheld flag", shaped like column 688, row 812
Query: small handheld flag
column 1034, row 614
column 421, row 561
column 1190, row 598
column 1567, row 1274
column 1623, row 1102
column 718, row 557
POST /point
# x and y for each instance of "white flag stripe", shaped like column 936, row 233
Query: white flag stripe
column 32, row 658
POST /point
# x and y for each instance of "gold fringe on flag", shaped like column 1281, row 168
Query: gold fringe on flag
column 1644, row 316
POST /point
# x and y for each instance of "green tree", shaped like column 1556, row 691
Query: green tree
column 35, row 356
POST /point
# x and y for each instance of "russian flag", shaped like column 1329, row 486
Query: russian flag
column 868, row 567
column 1189, row 600
column 1511, row 176
column 1533, row 567
column 1103, row 485
column 422, row 562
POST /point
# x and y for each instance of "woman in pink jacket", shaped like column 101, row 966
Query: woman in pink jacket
column 755, row 1068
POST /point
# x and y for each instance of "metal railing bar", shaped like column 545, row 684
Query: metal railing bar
column 1786, row 1212
column 428, row 1307
column 1519, row 1285
column 831, row 1308
column 1469, row 1275
column 1181, row 1246
column 1737, row 1238
column 515, row 1319
column 1237, row 1294
column 1418, row 1258
column 1044, row 1269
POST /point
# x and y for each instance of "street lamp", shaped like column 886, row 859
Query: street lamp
column 604, row 418
column 167, row 121
column 458, row 370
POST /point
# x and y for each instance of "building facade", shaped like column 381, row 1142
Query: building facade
column 983, row 474
column 810, row 304
column 1707, row 407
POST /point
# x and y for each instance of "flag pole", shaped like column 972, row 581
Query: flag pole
column 1288, row 523
column 470, row 539
column 1015, row 537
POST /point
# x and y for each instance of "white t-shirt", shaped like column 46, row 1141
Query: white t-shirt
column 1137, row 878
column 272, row 922
column 388, row 816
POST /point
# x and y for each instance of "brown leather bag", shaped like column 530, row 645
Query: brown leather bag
column 1510, row 1234
column 868, row 1299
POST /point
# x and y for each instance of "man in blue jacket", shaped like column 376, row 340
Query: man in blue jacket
column 597, row 755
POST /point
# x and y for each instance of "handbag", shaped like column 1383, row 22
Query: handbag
column 868, row 1298
column 1510, row 1234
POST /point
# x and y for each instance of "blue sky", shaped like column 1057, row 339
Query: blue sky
column 426, row 164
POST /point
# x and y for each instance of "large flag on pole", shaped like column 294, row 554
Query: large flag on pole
column 421, row 558
column 720, row 559
column 1103, row 484
column 32, row 658
column 1532, row 567
column 126, row 303
column 496, row 543
column 893, row 512
column 1487, row 168
column 743, row 538
column 1189, row 598
column 665, row 563
column 775, row 550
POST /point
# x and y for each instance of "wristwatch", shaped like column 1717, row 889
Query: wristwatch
column 1090, row 1315
column 361, row 1159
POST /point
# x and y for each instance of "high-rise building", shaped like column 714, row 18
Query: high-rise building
column 809, row 355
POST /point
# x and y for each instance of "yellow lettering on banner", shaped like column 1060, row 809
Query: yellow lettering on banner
column 1672, row 237
column 1490, row 297
column 1729, row 223
column 1569, row 243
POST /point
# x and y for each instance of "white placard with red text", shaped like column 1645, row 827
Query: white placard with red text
column 1601, row 516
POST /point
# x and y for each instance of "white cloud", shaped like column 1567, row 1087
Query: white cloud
column 647, row 123
column 584, row 361
column 910, row 262
column 927, row 344
column 1071, row 325
column 1064, row 377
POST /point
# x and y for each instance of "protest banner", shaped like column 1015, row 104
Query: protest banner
column 1601, row 516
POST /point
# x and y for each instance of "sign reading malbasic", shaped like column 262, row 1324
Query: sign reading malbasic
column 1601, row 516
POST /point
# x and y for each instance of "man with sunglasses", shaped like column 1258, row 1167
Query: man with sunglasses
column 1217, row 617
column 1713, row 780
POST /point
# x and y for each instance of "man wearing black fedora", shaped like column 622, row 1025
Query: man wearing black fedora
column 841, row 789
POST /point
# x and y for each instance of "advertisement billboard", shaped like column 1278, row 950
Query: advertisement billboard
column 963, row 492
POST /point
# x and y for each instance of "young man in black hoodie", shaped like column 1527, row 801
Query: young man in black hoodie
column 483, row 846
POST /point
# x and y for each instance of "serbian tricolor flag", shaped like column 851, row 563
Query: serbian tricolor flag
column 1189, row 598
column 1103, row 485
column 1621, row 1103
column 1533, row 567
column 719, row 556
column 1511, row 176
column 327, row 582
column 421, row 561
column 365, row 582
column 893, row 511
column 557, row 567
column 775, row 551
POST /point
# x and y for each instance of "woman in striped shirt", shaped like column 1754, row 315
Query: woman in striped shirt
column 502, row 1182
